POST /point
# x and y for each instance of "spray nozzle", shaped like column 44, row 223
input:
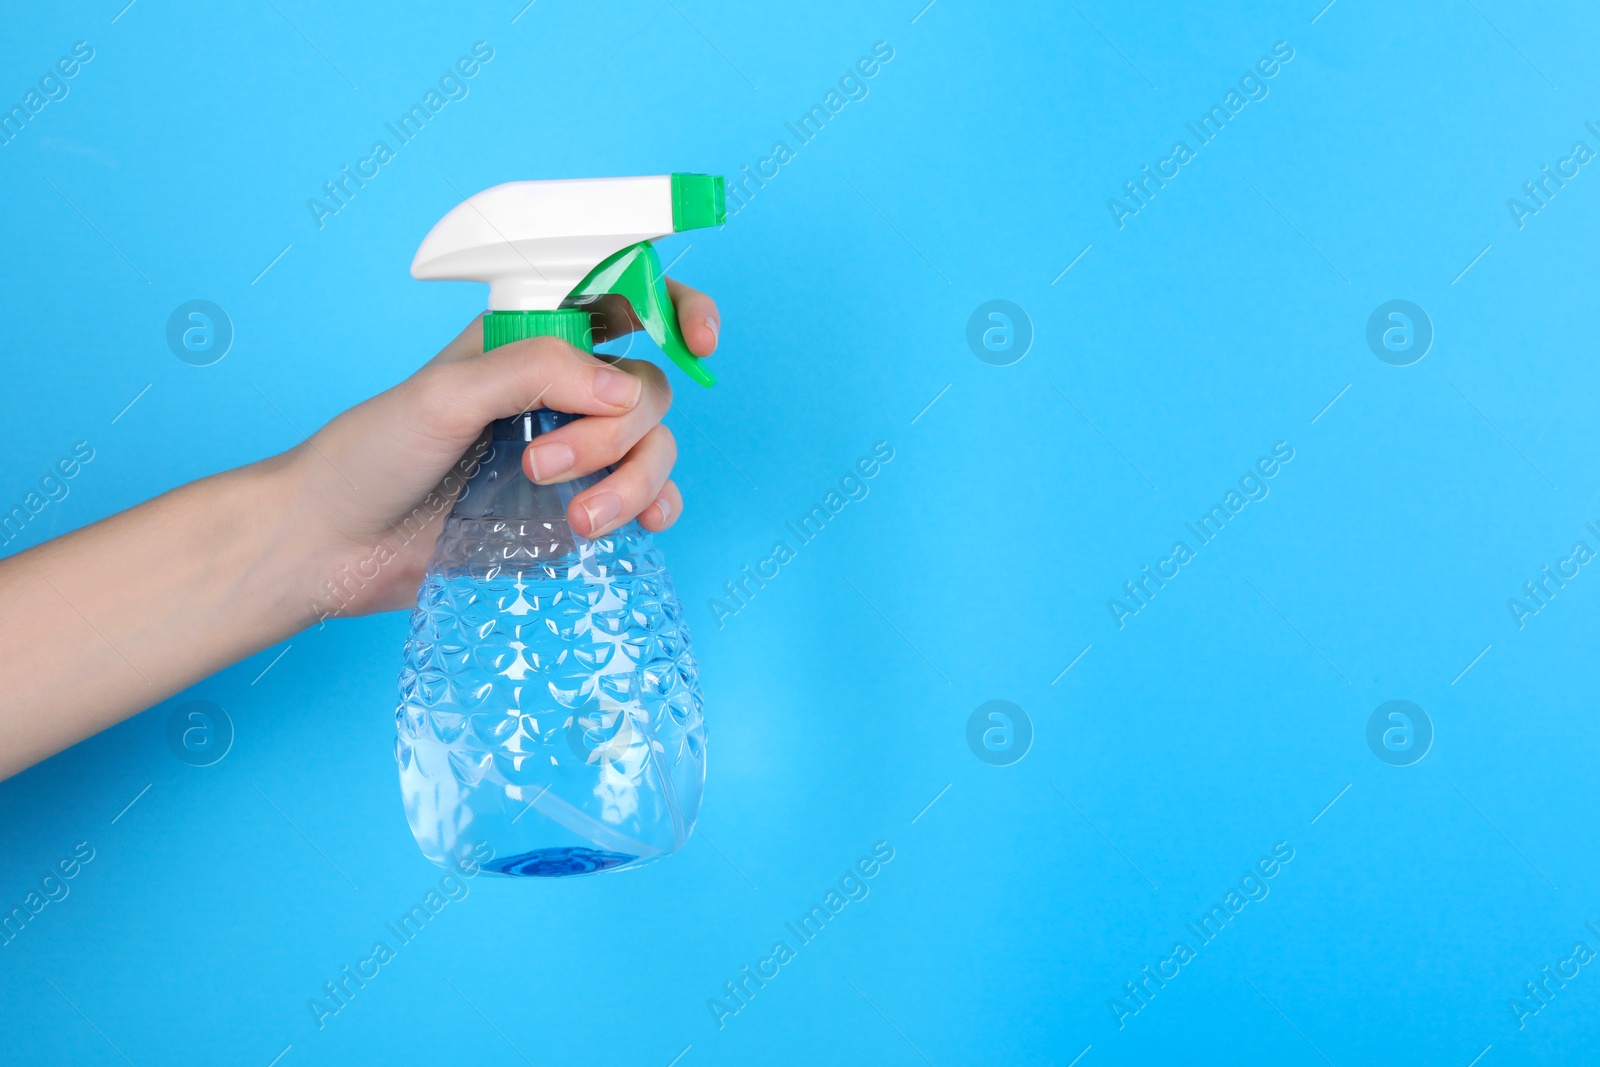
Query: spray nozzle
column 547, row 246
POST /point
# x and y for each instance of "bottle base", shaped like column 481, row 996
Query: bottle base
column 558, row 862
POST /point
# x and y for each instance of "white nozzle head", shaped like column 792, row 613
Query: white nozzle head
column 533, row 242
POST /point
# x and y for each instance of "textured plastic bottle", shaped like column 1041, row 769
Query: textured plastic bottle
column 550, row 703
column 550, row 713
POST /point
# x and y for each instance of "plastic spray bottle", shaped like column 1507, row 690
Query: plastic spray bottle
column 550, row 711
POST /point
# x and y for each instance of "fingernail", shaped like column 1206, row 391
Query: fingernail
column 601, row 509
column 665, row 505
column 616, row 387
column 711, row 324
column 551, row 460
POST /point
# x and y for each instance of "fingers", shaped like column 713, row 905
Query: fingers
column 639, row 484
column 463, row 389
column 698, row 317
column 664, row 511
column 456, row 400
column 586, row 445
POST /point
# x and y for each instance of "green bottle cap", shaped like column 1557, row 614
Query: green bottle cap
column 570, row 324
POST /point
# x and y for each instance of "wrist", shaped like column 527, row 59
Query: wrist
column 348, row 560
column 286, row 544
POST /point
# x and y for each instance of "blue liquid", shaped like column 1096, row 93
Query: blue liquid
column 555, row 862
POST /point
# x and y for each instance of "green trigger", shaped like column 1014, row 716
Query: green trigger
column 635, row 274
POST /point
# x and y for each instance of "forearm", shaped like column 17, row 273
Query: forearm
column 109, row 620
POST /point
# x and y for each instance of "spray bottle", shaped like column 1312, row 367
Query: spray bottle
column 550, row 719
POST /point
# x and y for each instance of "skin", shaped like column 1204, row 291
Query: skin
column 113, row 618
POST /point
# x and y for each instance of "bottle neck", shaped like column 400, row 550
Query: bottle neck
column 523, row 428
column 572, row 325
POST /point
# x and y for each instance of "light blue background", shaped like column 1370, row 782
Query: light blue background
column 1221, row 720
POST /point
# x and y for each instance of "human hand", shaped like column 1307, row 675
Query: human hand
column 385, row 461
